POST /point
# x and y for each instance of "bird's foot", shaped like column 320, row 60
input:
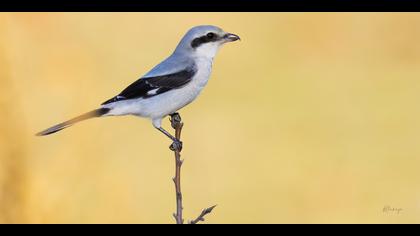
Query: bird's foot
column 176, row 146
column 176, row 120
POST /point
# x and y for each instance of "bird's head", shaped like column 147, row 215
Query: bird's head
column 204, row 41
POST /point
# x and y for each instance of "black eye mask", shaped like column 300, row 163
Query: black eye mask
column 210, row 37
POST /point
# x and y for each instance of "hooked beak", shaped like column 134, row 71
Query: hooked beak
column 231, row 37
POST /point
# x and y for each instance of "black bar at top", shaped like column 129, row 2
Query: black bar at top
column 211, row 5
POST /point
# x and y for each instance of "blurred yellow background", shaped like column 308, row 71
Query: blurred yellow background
column 311, row 118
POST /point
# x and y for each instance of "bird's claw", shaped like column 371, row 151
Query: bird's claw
column 176, row 146
column 176, row 120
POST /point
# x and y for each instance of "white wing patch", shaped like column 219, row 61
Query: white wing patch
column 152, row 92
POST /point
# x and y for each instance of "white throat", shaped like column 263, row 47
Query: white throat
column 208, row 50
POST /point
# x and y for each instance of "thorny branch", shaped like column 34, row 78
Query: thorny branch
column 176, row 123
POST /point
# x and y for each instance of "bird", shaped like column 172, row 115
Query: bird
column 167, row 87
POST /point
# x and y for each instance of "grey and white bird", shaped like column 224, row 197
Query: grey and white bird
column 169, row 86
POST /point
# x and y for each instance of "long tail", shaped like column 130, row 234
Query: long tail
column 95, row 113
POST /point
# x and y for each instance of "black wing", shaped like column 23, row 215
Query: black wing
column 152, row 86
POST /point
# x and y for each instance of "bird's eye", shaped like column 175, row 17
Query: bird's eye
column 210, row 35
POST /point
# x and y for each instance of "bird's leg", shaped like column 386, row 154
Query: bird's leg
column 176, row 145
column 167, row 134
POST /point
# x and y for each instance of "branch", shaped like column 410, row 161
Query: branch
column 176, row 147
column 177, row 124
column 201, row 216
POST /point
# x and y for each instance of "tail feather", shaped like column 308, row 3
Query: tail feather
column 95, row 113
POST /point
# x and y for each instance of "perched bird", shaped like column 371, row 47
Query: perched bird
column 169, row 86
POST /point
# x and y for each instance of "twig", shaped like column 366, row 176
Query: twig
column 201, row 216
column 176, row 123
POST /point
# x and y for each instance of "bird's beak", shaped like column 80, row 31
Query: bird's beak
column 231, row 37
